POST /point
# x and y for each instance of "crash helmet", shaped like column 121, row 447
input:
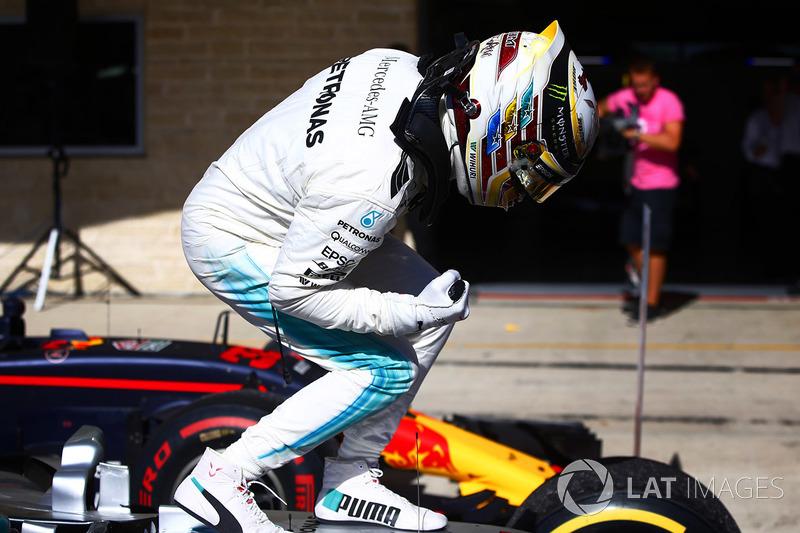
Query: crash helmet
column 528, row 120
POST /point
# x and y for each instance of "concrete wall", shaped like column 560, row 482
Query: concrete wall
column 212, row 67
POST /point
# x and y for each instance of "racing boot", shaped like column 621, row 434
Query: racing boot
column 217, row 494
column 351, row 492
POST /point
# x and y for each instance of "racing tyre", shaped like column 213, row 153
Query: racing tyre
column 216, row 421
column 622, row 494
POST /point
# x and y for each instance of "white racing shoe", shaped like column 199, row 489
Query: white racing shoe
column 351, row 493
column 216, row 494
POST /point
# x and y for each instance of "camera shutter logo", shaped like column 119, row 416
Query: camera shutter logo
column 603, row 499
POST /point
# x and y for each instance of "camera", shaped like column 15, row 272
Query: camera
column 619, row 122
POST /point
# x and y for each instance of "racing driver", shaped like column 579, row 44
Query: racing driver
column 290, row 227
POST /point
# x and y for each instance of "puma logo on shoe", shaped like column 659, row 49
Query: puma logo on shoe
column 227, row 522
column 361, row 509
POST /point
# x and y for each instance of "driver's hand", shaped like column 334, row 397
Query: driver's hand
column 435, row 305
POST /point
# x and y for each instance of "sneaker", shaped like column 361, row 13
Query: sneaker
column 216, row 494
column 654, row 312
column 633, row 275
column 351, row 492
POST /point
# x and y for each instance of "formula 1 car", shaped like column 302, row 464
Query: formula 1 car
column 156, row 404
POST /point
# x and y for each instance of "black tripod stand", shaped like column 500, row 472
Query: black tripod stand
column 52, row 29
column 84, row 259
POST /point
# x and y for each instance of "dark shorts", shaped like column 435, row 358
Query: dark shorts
column 662, row 209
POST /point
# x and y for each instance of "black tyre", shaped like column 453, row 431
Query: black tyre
column 622, row 495
column 217, row 421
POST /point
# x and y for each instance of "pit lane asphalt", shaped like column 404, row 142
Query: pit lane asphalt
column 720, row 386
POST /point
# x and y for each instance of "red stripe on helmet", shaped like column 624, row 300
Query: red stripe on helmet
column 486, row 169
column 508, row 50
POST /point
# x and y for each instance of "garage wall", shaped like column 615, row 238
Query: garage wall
column 212, row 67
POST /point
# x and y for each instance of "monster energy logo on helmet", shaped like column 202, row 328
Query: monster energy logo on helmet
column 558, row 91
column 557, row 127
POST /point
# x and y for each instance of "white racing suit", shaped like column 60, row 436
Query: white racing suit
column 292, row 222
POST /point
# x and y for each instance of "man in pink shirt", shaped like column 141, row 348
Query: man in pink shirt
column 655, row 140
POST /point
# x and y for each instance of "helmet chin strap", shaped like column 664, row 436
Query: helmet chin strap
column 458, row 168
column 422, row 138
column 417, row 127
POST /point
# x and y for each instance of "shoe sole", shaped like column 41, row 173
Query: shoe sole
column 378, row 525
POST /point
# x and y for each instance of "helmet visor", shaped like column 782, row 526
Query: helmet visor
column 528, row 169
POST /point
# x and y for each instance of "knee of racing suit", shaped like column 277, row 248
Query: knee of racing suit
column 390, row 379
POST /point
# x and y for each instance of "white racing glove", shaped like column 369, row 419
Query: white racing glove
column 443, row 301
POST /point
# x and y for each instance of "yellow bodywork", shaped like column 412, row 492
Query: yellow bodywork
column 476, row 463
